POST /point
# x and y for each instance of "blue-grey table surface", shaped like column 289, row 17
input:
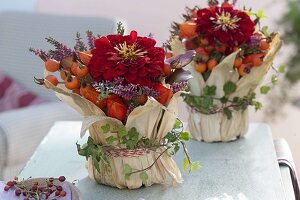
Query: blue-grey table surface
column 243, row 169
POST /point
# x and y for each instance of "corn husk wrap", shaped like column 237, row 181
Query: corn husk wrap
column 216, row 127
column 151, row 120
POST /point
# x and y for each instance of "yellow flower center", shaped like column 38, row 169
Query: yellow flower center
column 225, row 21
column 129, row 51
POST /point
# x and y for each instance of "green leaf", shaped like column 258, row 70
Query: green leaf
column 260, row 14
column 210, row 90
column 224, row 100
column 185, row 164
column 126, row 171
column 229, row 88
column 110, row 139
column 176, row 148
column 105, row 128
column 265, row 89
column 178, row 124
column 195, row 166
column 185, row 136
column 90, row 141
column 265, row 31
column 144, row 177
column 282, row 68
column 228, row 113
column 122, row 132
column 96, row 164
column 207, row 102
column 257, row 105
column 274, row 79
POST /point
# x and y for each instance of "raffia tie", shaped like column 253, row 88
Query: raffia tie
column 127, row 152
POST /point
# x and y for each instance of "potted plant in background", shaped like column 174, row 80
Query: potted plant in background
column 127, row 95
column 234, row 53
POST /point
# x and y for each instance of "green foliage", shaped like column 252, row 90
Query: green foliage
column 93, row 150
column 131, row 139
column 195, row 166
column 120, row 28
column 265, row 89
column 144, row 176
column 210, row 90
column 127, row 170
column 207, row 103
column 229, row 88
column 105, row 128
column 290, row 22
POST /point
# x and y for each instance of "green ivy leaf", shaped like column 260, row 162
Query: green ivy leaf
column 110, row 140
column 257, row 105
column 228, row 113
column 144, row 177
column 210, row 90
column 122, row 132
column 105, row 128
column 265, row 89
column 274, row 79
column 178, row 124
column 195, row 166
column 229, row 88
column 185, row 164
column 176, row 148
column 96, row 164
column 184, row 136
column 224, row 100
column 126, row 171
column 282, row 68
column 90, row 141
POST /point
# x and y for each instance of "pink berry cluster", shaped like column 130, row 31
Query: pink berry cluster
column 37, row 190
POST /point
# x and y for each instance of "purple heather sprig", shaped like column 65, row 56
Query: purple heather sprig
column 90, row 39
column 179, row 86
column 128, row 92
column 79, row 46
column 61, row 51
column 254, row 41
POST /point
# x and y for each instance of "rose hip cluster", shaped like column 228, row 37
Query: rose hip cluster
column 134, row 59
column 37, row 190
column 219, row 30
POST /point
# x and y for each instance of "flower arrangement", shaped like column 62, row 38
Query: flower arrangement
column 233, row 54
column 127, row 93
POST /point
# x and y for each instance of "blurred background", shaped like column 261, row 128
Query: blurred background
column 281, row 106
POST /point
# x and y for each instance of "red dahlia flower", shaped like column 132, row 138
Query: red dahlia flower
column 136, row 59
column 225, row 25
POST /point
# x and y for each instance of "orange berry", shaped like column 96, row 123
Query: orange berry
column 212, row 63
column 257, row 61
column 64, row 73
column 168, row 54
column 72, row 84
column 74, row 68
column 244, row 69
column 82, row 71
column 204, row 41
column 221, row 48
column 201, row 50
column 264, row 45
column 85, row 57
column 167, row 70
column 52, row 65
column 142, row 99
column 187, row 30
column 52, row 79
column 209, row 48
column 201, row 67
column 238, row 62
column 234, row 49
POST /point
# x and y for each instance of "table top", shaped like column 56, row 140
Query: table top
column 244, row 169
